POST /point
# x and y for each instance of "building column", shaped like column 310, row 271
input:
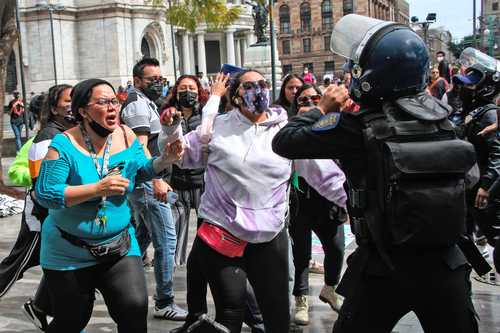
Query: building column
column 238, row 52
column 202, row 61
column 249, row 37
column 230, row 47
column 244, row 46
column 192, row 60
column 186, row 66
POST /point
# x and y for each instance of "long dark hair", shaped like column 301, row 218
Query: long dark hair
column 51, row 100
column 282, row 101
column 172, row 96
column 305, row 86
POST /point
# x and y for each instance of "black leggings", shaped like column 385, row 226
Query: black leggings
column 121, row 283
column 266, row 267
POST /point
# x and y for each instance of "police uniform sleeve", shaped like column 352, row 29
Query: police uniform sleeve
column 303, row 138
column 493, row 143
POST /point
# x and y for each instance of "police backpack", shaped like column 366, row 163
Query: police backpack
column 414, row 193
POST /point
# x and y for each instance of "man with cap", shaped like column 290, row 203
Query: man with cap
column 405, row 172
column 16, row 109
column 152, row 213
column 478, row 88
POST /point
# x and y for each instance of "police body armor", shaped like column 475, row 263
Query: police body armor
column 413, row 197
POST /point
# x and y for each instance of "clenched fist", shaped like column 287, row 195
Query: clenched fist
column 112, row 185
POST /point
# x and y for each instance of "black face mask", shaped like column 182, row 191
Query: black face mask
column 100, row 130
column 188, row 99
column 154, row 90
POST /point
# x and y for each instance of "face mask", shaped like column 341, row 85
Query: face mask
column 154, row 90
column 256, row 100
column 439, row 59
column 68, row 115
column 187, row 99
column 100, row 130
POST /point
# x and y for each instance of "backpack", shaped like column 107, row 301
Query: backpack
column 415, row 189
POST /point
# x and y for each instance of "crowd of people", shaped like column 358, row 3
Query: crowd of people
column 111, row 172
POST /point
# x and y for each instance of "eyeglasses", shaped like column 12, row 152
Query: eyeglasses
column 305, row 99
column 104, row 102
column 153, row 78
column 254, row 84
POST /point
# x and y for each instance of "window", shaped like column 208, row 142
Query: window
column 494, row 6
column 284, row 19
column 309, row 66
column 287, row 69
column 329, row 66
column 348, row 7
column 326, row 15
column 305, row 17
column 326, row 42
column 306, row 42
column 286, row 46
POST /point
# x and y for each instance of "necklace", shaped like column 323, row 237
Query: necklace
column 102, row 171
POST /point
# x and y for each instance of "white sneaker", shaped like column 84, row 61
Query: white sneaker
column 301, row 310
column 170, row 312
column 330, row 296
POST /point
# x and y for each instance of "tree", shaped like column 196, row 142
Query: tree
column 8, row 37
column 457, row 48
column 189, row 14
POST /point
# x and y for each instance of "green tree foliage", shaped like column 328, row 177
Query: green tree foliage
column 457, row 48
column 189, row 14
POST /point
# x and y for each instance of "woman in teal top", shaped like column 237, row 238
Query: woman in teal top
column 84, row 181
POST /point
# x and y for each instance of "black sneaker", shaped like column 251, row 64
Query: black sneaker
column 38, row 318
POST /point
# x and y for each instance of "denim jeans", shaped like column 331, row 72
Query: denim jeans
column 17, row 133
column 155, row 222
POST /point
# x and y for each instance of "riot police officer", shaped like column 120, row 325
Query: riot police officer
column 479, row 87
column 405, row 170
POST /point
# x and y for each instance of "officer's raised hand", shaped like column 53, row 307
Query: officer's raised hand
column 333, row 99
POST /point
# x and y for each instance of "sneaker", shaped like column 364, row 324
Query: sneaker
column 38, row 318
column 301, row 310
column 330, row 296
column 171, row 312
column 316, row 267
column 489, row 278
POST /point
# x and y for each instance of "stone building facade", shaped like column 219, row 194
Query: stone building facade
column 304, row 28
column 105, row 38
column 490, row 27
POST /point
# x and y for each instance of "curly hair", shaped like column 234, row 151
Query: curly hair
column 171, row 99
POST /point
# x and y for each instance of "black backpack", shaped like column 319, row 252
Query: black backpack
column 414, row 193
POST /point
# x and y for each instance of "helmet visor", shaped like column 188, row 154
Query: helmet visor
column 470, row 56
column 351, row 34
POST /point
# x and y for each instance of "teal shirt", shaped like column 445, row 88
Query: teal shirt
column 75, row 168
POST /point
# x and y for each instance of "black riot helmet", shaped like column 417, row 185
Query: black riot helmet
column 387, row 60
column 480, row 83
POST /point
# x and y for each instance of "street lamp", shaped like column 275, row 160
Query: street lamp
column 51, row 8
column 431, row 18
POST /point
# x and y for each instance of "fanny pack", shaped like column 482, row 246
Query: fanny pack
column 111, row 251
column 221, row 240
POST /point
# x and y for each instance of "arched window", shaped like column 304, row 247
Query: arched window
column 145, row 49
column 305, row 17
column 284, row 19
column 326, row 15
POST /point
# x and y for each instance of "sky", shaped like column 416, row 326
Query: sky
column 454, row 15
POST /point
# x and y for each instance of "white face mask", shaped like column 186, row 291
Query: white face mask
column 439, row 59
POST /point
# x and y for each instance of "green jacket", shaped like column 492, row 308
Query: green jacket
column 19, row 172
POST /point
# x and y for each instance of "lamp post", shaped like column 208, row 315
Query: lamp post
column 431, row 18
column 273, row 55
column 51, row 8
column 172, row 37
column 21, row 68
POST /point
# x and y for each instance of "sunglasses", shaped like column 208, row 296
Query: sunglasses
column 306, row 99
column 248, row 85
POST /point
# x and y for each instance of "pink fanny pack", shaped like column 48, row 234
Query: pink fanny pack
column 221, row 240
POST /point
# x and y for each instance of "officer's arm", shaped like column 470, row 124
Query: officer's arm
column 493, row 143
column 299, row 140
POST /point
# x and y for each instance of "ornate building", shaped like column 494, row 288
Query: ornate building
column 105, row 38
column 304, row 28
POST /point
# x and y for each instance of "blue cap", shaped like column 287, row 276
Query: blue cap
column 471, row 78
column 231, row 70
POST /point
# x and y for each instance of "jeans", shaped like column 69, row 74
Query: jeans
column 122, row 283
column 155, row 222
column 17, row 128
column 266, row 267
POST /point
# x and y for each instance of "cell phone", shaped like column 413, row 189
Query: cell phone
column 231, row 70
column 115, row 169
